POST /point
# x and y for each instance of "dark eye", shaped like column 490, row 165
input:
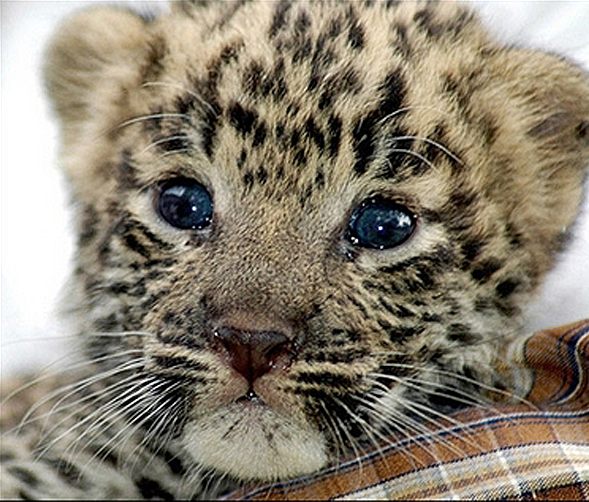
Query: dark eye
column 185, row 204
column 380, row 224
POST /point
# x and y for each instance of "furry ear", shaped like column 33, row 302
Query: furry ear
column 558, row 93
column 550, row 136
column 94, row 57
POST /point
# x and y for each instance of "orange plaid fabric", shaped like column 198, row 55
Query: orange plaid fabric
column 533, row 451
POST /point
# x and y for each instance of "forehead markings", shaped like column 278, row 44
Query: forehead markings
column 290, row 31
column 392, row 91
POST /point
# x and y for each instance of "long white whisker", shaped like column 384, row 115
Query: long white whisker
column 71, row 368
column 462, row 378
column 182, row 88
column 396, row 422
column 431, row 142
column 155, row 144
column 100, row 410
column 73, row 389
column 143, row 118
column 410, row 152
column 146, row 410
column 415, row 407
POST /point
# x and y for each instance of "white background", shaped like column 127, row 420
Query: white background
column 36, row 244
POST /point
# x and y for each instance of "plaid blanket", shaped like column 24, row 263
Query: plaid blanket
column 538, row 450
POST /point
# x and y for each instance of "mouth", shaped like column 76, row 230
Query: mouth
column 250, row 440
column 251, row 398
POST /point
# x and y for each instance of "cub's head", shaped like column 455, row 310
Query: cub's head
column 305, row 225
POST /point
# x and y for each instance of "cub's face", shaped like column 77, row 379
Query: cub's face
column 304, row 226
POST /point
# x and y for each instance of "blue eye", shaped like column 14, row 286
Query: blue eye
column 380, row 224
column 185, row 204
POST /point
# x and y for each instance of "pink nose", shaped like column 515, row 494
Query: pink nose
column 252, row 353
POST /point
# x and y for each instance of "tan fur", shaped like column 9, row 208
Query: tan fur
column 291, row 115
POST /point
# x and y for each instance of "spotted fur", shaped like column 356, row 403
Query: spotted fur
column 290, row 114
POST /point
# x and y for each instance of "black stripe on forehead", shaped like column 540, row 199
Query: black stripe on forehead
column 365, row 130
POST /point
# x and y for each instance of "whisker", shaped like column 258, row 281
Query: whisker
column 415, row 407
column 155, row 144
column 76, row 366
column 396, row 422
column 38, row 339
column 430, row 142
column 145, row 413
column 334, row 430
column 72, row 389
column 183, row 88
column 462, row 378
column 411, row 152
column 144, row 118
column 101, row 410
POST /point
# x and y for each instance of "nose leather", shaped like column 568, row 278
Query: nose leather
column 252, row 353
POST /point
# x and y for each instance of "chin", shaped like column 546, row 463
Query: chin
column 250, row 441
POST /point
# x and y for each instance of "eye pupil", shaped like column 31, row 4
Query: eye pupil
column 185, row 204
column 380, row 224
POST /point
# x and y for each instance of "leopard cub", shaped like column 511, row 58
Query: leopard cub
column 301, row 227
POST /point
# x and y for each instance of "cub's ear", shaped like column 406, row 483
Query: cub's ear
column 557, row 92
column 549, row 135
column 94, row 57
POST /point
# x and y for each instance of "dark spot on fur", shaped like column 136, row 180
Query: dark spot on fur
column 402, row 333
column 24, row 475
column 279, row 18
column 117, row 288
column 107, row 324
column 153, row 67
column 583, row 131
column 447, row 400
column 243, row 120
column 6, row 457
column 209, row 126
column 260, row 135
column 174, row 463
column 248, row 180
column 151, row 490
column 300, row 158
column 483, row 271
column 514, row 236
column 325, row 378
column 425, row 20
column 302, row 23
column 169, row 362
column 172, row 318
column 314, row 133
column 320, row 179
column 302, row 51
column 306, row 195
column 262, row 175
column 334, row 135
column 344, row 81
column 402, row 45
column 127, row 173
column 89, row 223
column 177, row 142
column 334, row 28
column 356, row 33
column 252, row 78
column 69, row 473
column 460, row 333
column 549, row 126
column 507, row 287
column 242, row 159
column 364, row 130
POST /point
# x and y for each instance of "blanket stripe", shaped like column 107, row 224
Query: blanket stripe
column 537, row 450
